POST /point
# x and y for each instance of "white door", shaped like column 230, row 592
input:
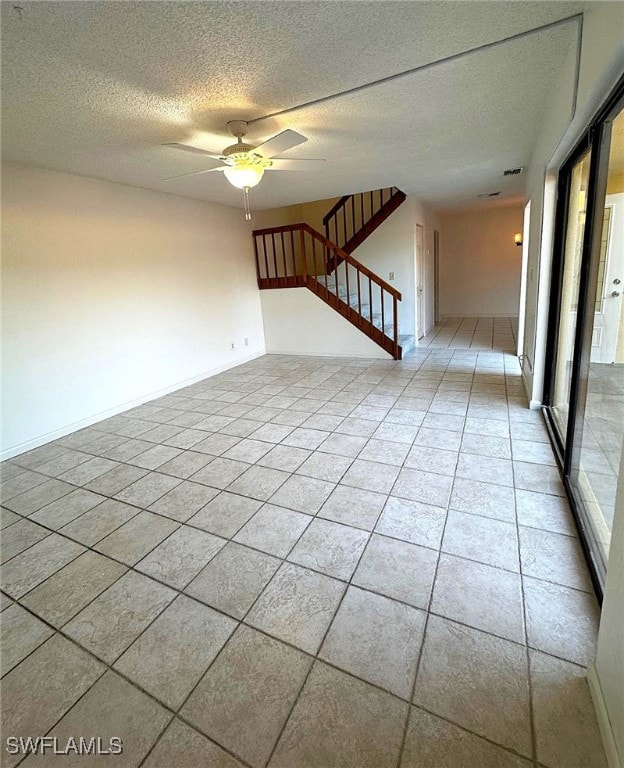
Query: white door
column 610, row 282
column 420, row 281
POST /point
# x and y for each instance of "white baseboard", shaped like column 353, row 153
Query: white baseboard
column 35, row 442
column 535, row 405
column 602, row 715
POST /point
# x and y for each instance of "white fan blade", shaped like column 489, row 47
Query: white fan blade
column 194, row 150
column 280, row 143
column 195, row 173
column 286, row 164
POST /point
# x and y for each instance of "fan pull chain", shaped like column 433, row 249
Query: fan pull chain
column 247, row 206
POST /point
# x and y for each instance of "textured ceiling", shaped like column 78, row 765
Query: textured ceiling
column 97, row 88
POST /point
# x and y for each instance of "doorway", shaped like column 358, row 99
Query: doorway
column 436, row 276
column 584, row 394
column 420, row 281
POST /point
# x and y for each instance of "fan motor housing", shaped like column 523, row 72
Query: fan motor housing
column 240, row 146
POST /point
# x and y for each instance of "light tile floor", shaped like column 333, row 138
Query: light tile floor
column 303, row 563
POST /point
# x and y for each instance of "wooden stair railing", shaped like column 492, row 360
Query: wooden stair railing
column 296, row 255
column 355, row 217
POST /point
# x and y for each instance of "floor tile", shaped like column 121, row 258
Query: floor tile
column 216, row 444
column 19, row 537
column 357, row 427
column 398, row 433
column 220, row 472
column 248, row 450
column 259, row 482
column 432, row 460
column 233, row 579
column 489, row 541
column 116, row 480
column 110, row 623
column 21, row 483
column 324, row 466
column 342, row 445
column 431, row 742
column 412, row 521
column 536, row 477
column 353, row 506
column 486, row 445
column 134, row 539
column 7, row 518
column 477, row 681
column 170, row 657
column 438, row 438
column 485, row 469
column 32, row 500
column 297, row 606
column 485, row 499
column 561, row 621
column 147, row 490
column 69, row 590
column 225, row 514
column 255, row 681
column 478, row 595
column 533, row 452
column 330, row 548
column 285, row 457
column 305, row 438
column 376, row 639
column 341, row 722
column 113, row 707
column 371, row 476
column 28, row 569
column 540, row 510
column 304, row 494
column 60, row 673
column 566, row 730
column 67, row 508
column 181, row 556
column 155, row 456
column 397, row 569
column 184, row 500
column 181, row 745
column 186, row 464
column 271, row 433
column 99, row 522
column 552, row 557
column 273, row 530
column 384, row 452
column 20, row 634
column 88, row 470
column 426, row 487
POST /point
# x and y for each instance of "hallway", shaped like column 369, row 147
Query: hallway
column 313, row 563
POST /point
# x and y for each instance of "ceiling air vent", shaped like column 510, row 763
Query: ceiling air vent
column 490, row 194
column 512, row 171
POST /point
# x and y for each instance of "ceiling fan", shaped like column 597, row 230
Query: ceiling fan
column 244, row 164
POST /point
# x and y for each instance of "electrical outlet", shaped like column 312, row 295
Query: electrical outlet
column 391, row 276
column 232, row 345
column 246, row 342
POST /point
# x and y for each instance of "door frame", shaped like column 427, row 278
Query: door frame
column 596, row 138
column 419, row 248
column 436, row 276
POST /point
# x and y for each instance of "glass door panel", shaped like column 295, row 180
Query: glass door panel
column 602, row 429
column 575, row 229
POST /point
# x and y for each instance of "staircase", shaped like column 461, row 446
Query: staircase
column 356, row 217
column 296, row 255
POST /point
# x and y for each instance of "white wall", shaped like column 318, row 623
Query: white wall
column 113, row 294
column 480, row 263
column 296, row 322
column 608, row 672
column 600, row 65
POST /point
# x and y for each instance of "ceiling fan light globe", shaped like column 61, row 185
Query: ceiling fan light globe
column 242, row 176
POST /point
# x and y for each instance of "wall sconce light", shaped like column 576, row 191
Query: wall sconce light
column 518, row 238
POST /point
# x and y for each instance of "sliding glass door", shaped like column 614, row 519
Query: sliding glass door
column 585, row 385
